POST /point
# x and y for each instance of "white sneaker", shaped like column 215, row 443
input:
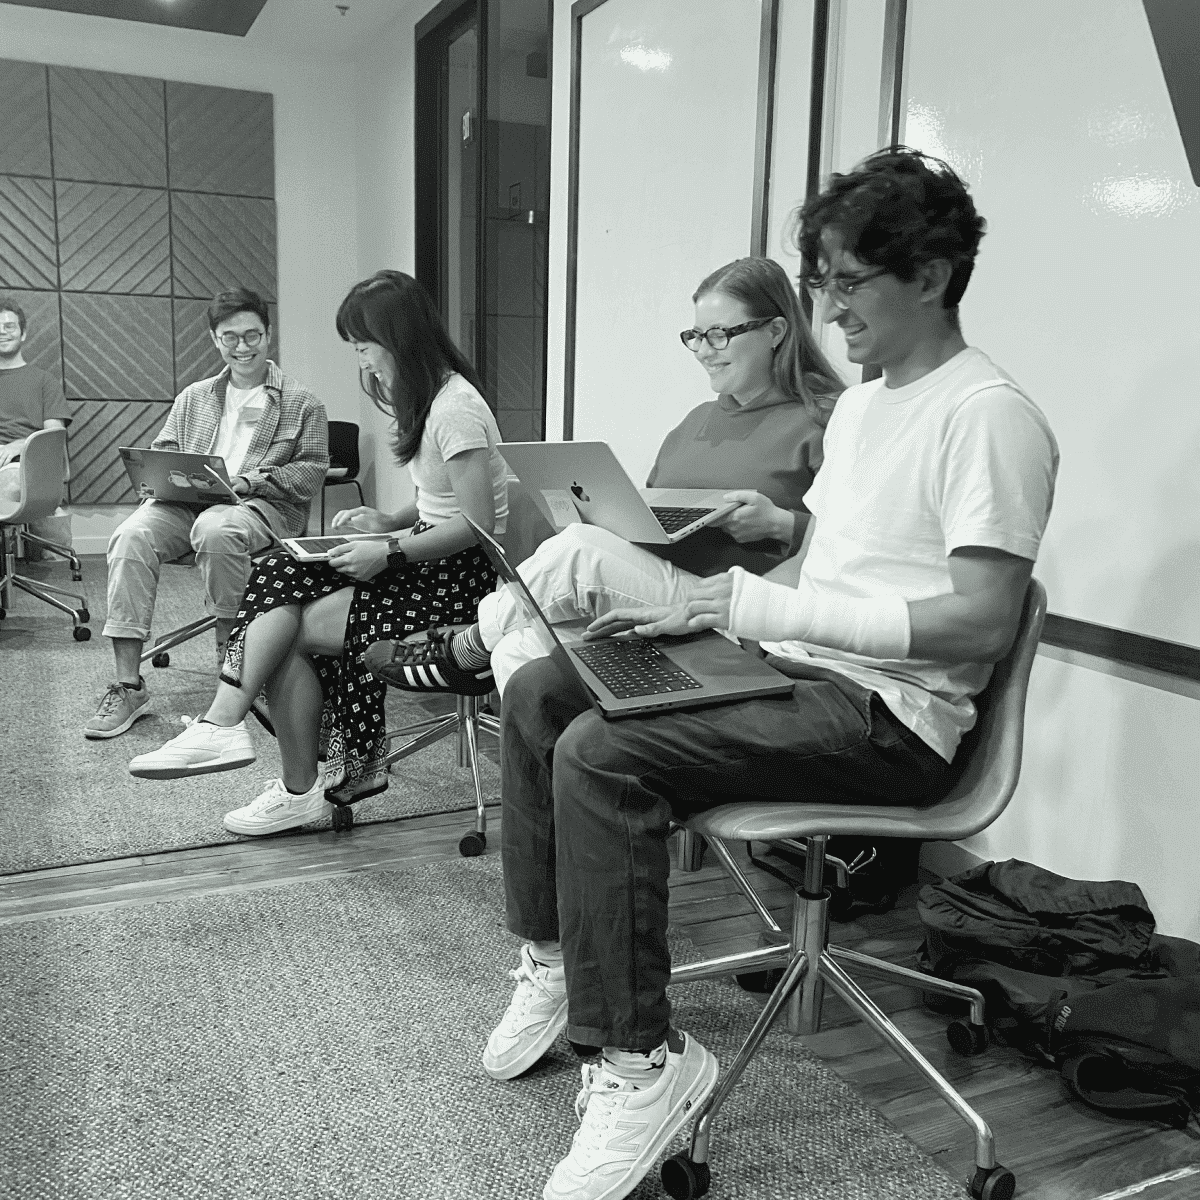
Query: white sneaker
column 278, row 809
column 199, row 749
column 623, row 1128
column 536, row 1015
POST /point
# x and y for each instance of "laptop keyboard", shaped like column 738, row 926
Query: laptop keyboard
column 634, row 667
column 674, row 519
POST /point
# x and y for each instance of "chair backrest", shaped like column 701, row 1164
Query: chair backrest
column 43, row 473
column 343, row 448
column 990, row 753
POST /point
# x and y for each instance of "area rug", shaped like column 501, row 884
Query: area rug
column 322, row 1040
column 69, row 800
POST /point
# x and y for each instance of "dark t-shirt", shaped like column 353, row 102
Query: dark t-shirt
column 29, row 397
column 773, row 447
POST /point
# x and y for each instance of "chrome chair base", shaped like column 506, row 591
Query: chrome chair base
column 48, row 593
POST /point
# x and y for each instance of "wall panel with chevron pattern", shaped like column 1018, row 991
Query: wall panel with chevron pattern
column 125, row 203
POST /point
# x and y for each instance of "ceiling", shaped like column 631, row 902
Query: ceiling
column 306, row 27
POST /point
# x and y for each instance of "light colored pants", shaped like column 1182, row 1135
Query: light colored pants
column 223, row 538
column 583, row 572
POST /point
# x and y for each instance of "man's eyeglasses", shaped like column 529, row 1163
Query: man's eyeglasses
column 251, row 337
column 840, row 289
column 10, row 327
column 717, row 336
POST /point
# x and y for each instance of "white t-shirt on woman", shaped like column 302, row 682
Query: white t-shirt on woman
column 459, row 419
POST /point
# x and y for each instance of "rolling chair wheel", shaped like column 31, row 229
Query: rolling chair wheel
column 472, row 845
column 343, row 817
column 76, row 576
column 684, row 1179
column 162, row 659
column 999, row 1183
column 3, row 613
column 81, row 633
column 967, row 1039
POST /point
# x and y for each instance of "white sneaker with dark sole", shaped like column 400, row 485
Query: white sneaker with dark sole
column 536, row 1015
column 200, row 749
column 624, row 1128
column 277, row 809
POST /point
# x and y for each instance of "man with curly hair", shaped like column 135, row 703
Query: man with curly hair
column 927, row 516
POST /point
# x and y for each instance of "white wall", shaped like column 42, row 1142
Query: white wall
column 315, row 173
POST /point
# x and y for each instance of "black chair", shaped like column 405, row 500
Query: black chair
column 343, row 461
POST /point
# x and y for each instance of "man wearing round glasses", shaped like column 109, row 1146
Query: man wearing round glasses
column 271, row 432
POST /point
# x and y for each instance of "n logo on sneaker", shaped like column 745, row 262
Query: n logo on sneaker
column 628, row 1138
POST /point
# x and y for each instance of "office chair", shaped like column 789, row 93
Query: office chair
column 989, row 761
column 42, row 477
column 343, row 461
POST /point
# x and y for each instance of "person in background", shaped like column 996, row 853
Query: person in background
column 272, row 433
column 303, row 627
column 760, row 438
column 30, row 399
column 928, row 512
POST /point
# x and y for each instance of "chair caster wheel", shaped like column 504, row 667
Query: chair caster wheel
column 162, row 659
column 684, row 1179
column 81, row 633
column 472, row 845
column 76, row 576
column 998, row 1183
column 3, row 613
column 967, row 1039
column 343, row 817
column 84, row 615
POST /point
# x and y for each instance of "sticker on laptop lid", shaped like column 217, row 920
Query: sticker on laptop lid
column 562, row 508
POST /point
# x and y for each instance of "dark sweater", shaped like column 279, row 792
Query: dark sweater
column 772, row 447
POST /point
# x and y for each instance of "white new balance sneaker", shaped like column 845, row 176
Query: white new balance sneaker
column 536, row 1015
column 277, row 809
column 624, row 1128
column 199, row 749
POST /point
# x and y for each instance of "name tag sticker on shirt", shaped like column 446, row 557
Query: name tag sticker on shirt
column 562, row 508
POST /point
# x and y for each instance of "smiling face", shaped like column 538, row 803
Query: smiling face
column 743, row 368
column 247, row 364
column 883, row 318
column 378, row 361
column 11, row 336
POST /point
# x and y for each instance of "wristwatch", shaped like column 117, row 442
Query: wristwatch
column 395, row 557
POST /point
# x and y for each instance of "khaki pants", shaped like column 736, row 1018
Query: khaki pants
column 223, row 538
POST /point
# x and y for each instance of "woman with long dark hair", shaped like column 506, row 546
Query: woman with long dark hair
column 760, row 438
column 303, row 627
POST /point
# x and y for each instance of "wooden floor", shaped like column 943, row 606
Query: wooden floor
column 1058, row 1149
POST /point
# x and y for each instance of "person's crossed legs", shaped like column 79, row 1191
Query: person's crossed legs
column 589, row 802
column 582, row 572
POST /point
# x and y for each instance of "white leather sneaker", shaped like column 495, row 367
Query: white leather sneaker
column 277, row 809
column 198, row 750
column 623, row 1128
column 536, row 1015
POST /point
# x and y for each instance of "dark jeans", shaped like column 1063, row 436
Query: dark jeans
column 588, row 805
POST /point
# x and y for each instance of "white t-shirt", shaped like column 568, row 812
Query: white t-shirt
column 243, row 407
column 459, row 419
column 961, row 457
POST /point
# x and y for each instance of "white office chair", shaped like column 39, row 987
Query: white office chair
column 42, row 476
column 989, row 763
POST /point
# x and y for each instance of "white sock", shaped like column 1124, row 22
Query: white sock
column 546, row 954
column 635, row 1065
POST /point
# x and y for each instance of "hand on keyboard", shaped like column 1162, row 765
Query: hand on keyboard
column 708, row 608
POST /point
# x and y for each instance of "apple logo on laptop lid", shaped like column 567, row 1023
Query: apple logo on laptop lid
column 580, row 494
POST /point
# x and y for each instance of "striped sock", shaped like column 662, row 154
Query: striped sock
column 468, row 651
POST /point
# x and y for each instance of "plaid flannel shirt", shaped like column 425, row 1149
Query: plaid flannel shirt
column 288, row 455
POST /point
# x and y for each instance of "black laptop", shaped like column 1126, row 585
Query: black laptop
column 629, row 676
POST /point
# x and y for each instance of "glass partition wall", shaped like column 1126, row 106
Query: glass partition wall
column 482, row 193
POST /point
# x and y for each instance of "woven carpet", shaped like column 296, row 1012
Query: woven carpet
column 322, row 1040
column 72, row 800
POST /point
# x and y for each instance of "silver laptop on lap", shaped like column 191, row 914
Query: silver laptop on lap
column 633, row 676
column 603, row 494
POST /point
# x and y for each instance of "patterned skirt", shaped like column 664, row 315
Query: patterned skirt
column 397, row 602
